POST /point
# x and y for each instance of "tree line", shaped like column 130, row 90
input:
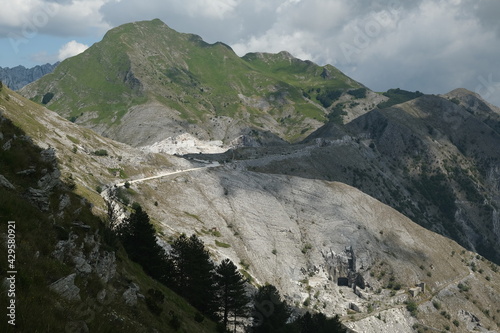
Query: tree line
column 218, row 291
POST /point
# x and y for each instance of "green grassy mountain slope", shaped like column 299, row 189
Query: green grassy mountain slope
column 146, row 74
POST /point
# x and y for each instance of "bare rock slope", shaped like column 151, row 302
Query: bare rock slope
column 326, row 245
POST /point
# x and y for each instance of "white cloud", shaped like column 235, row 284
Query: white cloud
column 431, row 46
column 71, row 49
column 217, row 9
column 30, row 18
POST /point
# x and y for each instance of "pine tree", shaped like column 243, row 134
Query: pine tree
column 232, row 297
column 271, row 313
column 317, row 323
column 193, row 275
column 138, row 237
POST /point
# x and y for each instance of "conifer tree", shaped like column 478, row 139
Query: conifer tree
column 232, row 298
column 317, row 323
column 138, row 237
column 271, row 313
column 193, row 275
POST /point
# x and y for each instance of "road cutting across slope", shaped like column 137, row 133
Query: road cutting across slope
column 165, row 174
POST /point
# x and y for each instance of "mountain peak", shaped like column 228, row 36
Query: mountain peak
column 472, row 101
column 147, row 74
column 459, row 92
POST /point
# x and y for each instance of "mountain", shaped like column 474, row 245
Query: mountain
column 17, row 77
column 433, row 158
column 145, row 82
column 308, row 237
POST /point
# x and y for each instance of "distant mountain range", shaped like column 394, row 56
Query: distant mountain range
column 17, row 77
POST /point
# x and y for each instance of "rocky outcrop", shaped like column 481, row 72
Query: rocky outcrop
column 88, row 257
column 131, row 295
column 342, row 268
column 66, row 288
column 17, row 77
column 40, row 196
column 5, row 183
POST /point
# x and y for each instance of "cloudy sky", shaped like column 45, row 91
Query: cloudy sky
column 429, row 45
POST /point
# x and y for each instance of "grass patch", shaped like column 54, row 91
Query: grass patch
column 196, row 217
column 73, row 139
column 118, row 172
column 247, row 276
column 221, row 244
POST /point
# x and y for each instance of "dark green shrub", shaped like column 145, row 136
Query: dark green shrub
column 358, row 93
column 101, row 152
column 175, row 322
column 336, row 116
column 397, row 96
column 47, row 98
column 198, row 317
column 328, row 96
column 412, row 307
column 446, row 315
column 121, row 195
column 153, row 300
column 463, row 287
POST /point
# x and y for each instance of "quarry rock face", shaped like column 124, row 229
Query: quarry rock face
column 323, row 244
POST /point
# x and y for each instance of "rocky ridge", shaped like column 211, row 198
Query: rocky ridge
column 17, row 77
